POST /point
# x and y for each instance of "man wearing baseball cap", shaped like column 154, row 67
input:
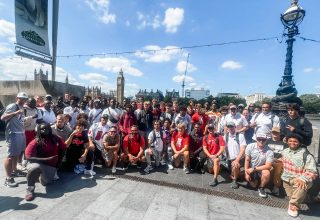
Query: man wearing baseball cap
column 15, row 137
column 258, row 163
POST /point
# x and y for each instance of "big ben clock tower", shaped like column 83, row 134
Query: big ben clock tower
column 120, row 87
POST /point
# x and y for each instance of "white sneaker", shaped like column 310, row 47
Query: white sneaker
column 114, row 170
column 89, row 172
column 21, row 167
column 170, row 167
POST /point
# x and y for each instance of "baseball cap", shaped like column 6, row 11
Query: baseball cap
column 22, row 95
column 275, row 129
column 231, row 124
column 210, row 125
column 232, row 106
column 241, row 105
column 261, row 136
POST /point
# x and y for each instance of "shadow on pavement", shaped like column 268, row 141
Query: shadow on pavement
column 14, row 203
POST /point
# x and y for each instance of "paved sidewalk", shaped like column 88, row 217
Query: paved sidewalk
column 78, row 197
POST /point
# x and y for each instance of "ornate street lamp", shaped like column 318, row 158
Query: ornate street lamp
column 287, row 93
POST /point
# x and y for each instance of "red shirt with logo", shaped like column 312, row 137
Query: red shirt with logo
column 213, row 143
column 180, row 141
column 133, row 144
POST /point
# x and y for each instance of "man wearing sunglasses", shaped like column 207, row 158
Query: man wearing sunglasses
column 239, row 120
column 258, row 162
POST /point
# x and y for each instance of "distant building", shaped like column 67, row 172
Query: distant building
column 229, row 94
column 197, row 94
column 256, row 97
column 94, row 91
column 153, row 95
column 120, row 87
column 40, row 75
column 172, row 94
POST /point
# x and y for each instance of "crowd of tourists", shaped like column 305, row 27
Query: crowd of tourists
column 46, row 134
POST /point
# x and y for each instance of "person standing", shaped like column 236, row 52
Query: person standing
column 15, row 136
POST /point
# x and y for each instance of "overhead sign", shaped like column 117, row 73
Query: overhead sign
column 32, row 25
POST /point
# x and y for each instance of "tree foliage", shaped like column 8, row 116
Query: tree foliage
column 311, row 103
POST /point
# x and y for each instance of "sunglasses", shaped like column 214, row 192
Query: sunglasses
column 232, row 108
column 261, row 139
column 113, row 131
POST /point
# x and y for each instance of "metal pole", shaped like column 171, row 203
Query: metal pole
column 55, row 18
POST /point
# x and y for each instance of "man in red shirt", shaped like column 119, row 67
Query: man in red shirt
column 43, row 154
column 213, row 146
column 133, row 147
column 180, row 148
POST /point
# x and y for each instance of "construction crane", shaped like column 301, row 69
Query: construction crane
column 184, row 78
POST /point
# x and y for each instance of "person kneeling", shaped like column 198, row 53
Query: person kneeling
column 258, row 163
column 111, row 145
column 299, row 170
column 133, row 147
column 180, row 148
column 155, row 143
column 43, row 154
column 213, row 146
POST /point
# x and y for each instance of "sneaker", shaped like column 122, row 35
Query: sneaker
column 10, row 182
column 234, row 184
column 138, row 165
column 56, row 177
column 214, row 182
column 89, row 172
column 113, row 170
column 293, row 210
column 170, row 167
column 18, row 173
column 148, row 169
column 21, row 167
column 202, row 170
column 29, row 195
column 186, row 170
column 276, row 191
column 262, row 192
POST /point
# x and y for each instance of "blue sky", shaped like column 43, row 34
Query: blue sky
column 102, row 26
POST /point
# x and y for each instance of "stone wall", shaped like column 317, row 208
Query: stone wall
column 9, row 89
column 315, row 145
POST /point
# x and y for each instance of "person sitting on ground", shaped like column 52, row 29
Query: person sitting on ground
column 155, row 146
column 43, row 155
column 180, row 147
column 235, row 148
column 258, row 163
column 299, row 170
column 111, row 146
column 79, row 151
column 133, row 147
column 95, row 134
column 213, row 146
column 197, row 156
column 277, row 146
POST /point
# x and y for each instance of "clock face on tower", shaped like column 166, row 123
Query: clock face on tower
column 119, row 81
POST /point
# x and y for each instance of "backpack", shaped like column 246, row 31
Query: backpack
column 307, row 140
column 315, row 188
column 154, row 136
column 237, row 138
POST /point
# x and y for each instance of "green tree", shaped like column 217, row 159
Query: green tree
column 311, row 103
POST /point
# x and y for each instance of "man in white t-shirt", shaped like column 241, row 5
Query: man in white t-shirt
column 113, row 113
column 235, row 149
column 96, row 112
column 95, row 134
column 264, row 121
column 155, row 143
column 239, row 120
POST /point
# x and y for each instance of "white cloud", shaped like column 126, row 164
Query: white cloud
column 15, row 68
column 193, row 84
column 7, row 30
column 157, row 54
column 114, row 65
column 93, row 76
column 173, row 19
column 180, row 78
column 131, row 89
column 146, row 21
column 309, row 70
column 231, row 65
column 4, row 49
column 181, row 67
column 101, row 9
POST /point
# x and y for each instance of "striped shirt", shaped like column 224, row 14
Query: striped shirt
column 293, row 165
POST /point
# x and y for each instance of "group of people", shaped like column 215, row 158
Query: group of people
column 250, row 142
